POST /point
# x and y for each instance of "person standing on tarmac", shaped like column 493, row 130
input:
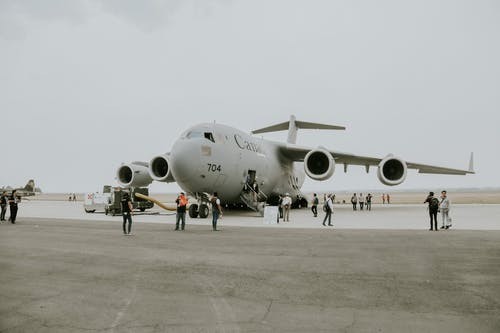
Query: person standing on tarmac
column 361, row 201
column 280, row 206
column 328, row 210
column 444, row 207
column 127, row 211
column 216, row 210
column 369, row 201
column 3, row 205
column 314, row 206
column 354, row 201
column 181, row 202
column 433, row 210
column 287, row 204
column 13, row 200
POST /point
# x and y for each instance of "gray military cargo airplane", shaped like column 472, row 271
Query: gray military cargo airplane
column 27, row 191
column 250, row 171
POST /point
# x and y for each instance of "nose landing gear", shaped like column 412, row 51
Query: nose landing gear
column 201, row 209
column 193, row 211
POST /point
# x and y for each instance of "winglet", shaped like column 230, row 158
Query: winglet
column 471, row 163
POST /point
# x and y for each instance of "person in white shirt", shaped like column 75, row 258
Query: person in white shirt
column 361, row 200
column 444, row 207
column 287, row 204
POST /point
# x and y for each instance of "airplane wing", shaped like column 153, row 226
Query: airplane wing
column 298, row 153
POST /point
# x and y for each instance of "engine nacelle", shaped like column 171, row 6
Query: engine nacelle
column 134, row 174
column 319, row 164
column 392, row 171
column 160, row 170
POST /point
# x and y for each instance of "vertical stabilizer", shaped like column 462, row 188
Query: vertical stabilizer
column 471, row 163
column 30, row 186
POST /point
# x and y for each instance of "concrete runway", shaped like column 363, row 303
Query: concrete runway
column 60, row 275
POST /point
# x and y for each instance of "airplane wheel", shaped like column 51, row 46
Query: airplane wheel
column 89, row 210
column 193, row 211
column 203, row 211
column 303, row 203
column 142, row 209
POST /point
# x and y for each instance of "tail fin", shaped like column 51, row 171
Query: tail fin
column 471, row 163
column 30, row 186
column 293, row 125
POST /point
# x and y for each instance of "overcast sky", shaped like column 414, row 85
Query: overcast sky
column 88, row 84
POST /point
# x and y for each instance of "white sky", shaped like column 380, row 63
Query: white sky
column 88, row 84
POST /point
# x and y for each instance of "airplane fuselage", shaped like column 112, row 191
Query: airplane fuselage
column 218, row 158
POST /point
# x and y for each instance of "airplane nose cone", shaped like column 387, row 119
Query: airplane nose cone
column 186, row 162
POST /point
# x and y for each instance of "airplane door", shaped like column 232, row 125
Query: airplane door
column 251, row 176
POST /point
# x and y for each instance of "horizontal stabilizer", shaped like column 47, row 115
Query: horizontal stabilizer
column 273, row 128
column 306, row 125
column 293, row 125
column 299, row 124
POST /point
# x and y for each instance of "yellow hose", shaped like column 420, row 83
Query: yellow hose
column 153, row 200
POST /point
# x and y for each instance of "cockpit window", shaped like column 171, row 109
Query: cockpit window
column 209, row 136
column 194, row 134
column 206, row 135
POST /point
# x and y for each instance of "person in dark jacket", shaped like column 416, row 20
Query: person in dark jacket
column 13, row 200
column 354, row 201
column 127, row 211
column 216, row 210
column 369, row 201
column 328, row 210
column 314, row 206
column 433, row 210
column 3, row 205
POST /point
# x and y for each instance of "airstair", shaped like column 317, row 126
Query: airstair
column 256, row 201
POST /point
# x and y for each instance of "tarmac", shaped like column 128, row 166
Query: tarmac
column 75, row 275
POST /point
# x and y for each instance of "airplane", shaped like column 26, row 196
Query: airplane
column 27, row 191
column 212, row 157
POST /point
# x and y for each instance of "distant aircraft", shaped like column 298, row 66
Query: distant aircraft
column 217, row 158
column 27, row 191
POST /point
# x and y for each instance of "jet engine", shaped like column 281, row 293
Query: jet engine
column 134, row 174
column 319, row 164
column 160, row 169
column 392, row 171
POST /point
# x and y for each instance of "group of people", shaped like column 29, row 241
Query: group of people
column 12, row 200
column 182, row 202
column 361, row 200
column 72, row 197
column 327, row 207
column 180, row 220
column 435, row 206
